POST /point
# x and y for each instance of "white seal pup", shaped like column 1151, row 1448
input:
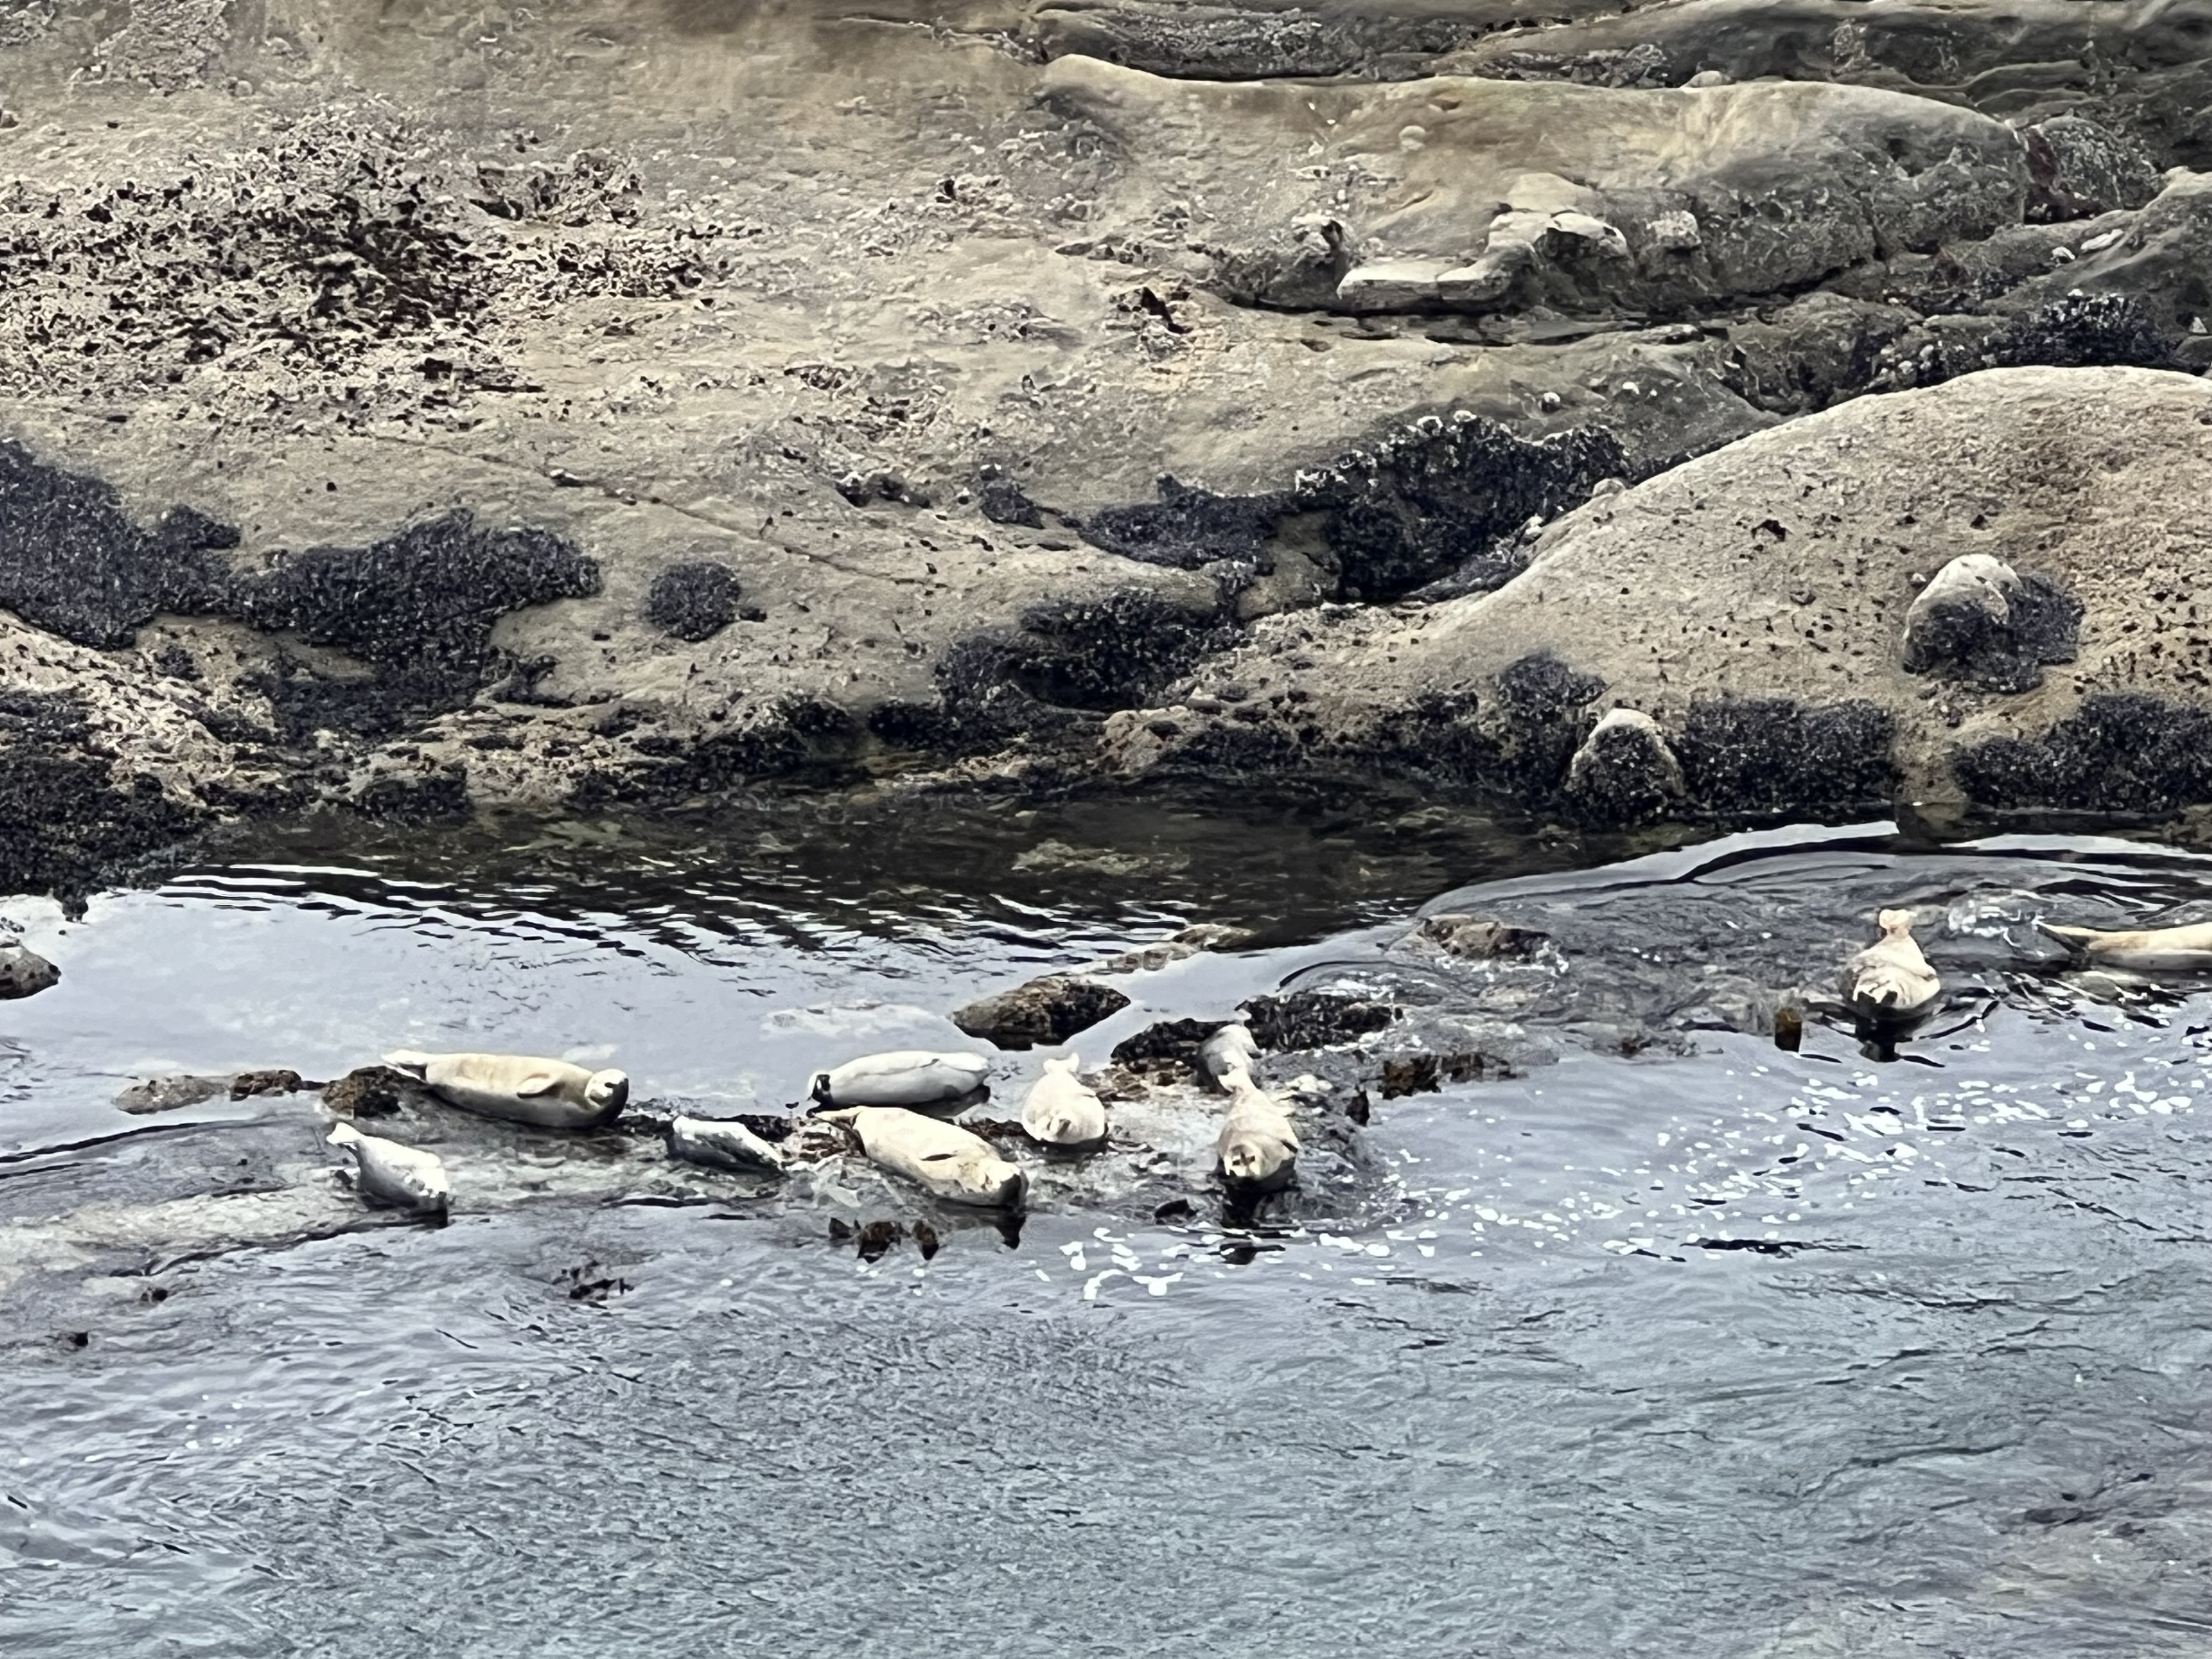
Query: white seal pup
column 1231, row 1048
column 904, row 1077
column 1257, row 1148
column 551, row 1094
column 1890, row 982
column 395, row 1176
column 1061, row 1112
column 728, row 1145
column 2187, row 949
column 948, row 1160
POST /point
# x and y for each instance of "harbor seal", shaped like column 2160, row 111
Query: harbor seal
column 904, row 1077
column 1890, row 982
column 949, row 1161
column 1231, row 1048
column 725, row 1144
column 1061, row 1112
column 549, row 1094
column 2174, row 949
column 1257, row 1148
column 394, row 1177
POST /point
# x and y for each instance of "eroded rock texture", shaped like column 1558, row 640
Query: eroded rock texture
column 625, row 406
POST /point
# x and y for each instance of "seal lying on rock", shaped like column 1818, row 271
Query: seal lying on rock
column 951, row 1162
column 727, row 1145
column 395, row 1176
column 1230, row 1050
column 551, row 1094
column 1257, row 1147
column 1890, row 982
column 2187, row 949
column 904, row 1077
column 1061, row 1112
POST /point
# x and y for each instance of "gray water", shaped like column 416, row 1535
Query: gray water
column 1725, row 1351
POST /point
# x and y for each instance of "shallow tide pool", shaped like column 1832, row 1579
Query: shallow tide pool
column 1707, row 1350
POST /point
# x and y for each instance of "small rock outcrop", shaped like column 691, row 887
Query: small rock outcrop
column 1471, row 938
column 24, row 972
column 1045, row 1011
column 1981, row 621
column 1625, row 772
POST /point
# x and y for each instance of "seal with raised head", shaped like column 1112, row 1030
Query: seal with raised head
column 1231, row 1048
column 547, row 1094
column 727, row 1145
column 1890, row 982
column 1061, row 1112
column 903, row 1077
column 949, row 1161
column 394, row 1177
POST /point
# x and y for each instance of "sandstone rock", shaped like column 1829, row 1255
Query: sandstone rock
column 1751, row 601
column 2026, row 63
column 1048, row 1011
column 1528, row 185
column 24, row 972
column 1980, row 620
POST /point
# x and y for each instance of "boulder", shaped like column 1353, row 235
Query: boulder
column 1625, row 772
column 1980, row 620
column 24, row 972
column 1048, row 1011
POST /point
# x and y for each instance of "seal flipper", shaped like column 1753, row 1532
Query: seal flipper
column 408, row 1060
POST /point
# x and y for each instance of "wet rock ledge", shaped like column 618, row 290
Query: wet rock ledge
column 1637, row 416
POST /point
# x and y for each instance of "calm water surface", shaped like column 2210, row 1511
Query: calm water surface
column 1729, row 1353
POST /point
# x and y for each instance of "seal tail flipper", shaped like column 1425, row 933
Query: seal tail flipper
column 408, row 1060
column 2076, row 939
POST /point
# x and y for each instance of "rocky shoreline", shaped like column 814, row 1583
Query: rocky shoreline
column 1594, row 412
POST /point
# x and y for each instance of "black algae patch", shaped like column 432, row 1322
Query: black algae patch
column 1434, row 497
column 2119, row 752
column 74, row 563
column 1314, row 1019
column 1070, row 660
column 1758, row 757
column 694, row 601
column 1444, row 496
column 69, row 817
column 1187, row 527
column 416, row 609
column 2083, row 331
column 419, row 607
